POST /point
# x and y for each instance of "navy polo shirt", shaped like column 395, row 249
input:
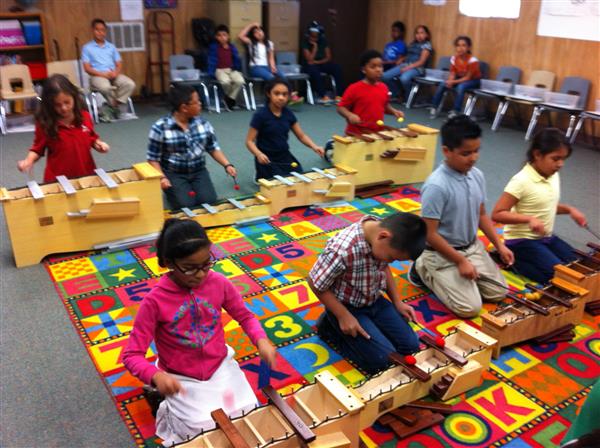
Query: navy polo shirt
column 272, row 130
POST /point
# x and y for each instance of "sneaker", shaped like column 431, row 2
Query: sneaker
column 324, row 100
column 453, row 113
column 230, row 102
column 414, row 278
column 432, row 112
column 115, row 111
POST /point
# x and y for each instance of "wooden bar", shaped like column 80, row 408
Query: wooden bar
column 323, row 173
column 237, row 204
column 35, row 190
column 283, row 180
column 301, row 177
column 445, row 409
column 364, row 138
column 413, row 371
column 294, row 420
column 105, row 178
column 210, row 209
column 564, row 302
column 230, row 431
column 586, row 257
column 187, row 212
column 593, row 246
column 450, row 354
column 529, row 304
column 66, row 185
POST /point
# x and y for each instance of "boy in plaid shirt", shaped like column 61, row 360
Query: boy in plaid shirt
column 348, row 278
column 177, row 147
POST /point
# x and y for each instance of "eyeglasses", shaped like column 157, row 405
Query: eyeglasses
column 193, row 271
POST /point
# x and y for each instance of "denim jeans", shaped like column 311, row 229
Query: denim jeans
column 263, row 72
column 183, row 183
column 406, row 79
column 536, row 259
column 460, row 90
column 389, row 333
column 316, row 79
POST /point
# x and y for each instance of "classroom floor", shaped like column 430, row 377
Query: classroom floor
column 51, row 394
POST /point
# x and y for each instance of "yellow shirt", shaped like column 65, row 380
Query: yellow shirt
column 537, row 197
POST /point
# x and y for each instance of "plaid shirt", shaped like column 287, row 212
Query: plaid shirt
column 347, row 268
column 178, row 150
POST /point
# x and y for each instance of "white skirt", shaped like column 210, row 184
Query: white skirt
column 184, row 415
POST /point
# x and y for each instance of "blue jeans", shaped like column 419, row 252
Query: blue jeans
column 183, row 183
column 316, row 79
column 406, row 79
column 263, row 72
column 389, row 333
column 536, row 258
column 460, row 90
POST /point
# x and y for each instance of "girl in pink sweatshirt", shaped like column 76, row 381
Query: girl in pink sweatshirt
column 196, row 371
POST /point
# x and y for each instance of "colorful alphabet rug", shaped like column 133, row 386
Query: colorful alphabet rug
column 528, row 398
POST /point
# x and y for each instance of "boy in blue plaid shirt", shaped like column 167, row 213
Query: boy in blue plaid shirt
column 177, row 147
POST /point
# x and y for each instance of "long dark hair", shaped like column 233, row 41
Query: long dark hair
column 180, row 238
column 467, row 40
column 271, row 83
column 546, row 141
column 254, row 43
column 426, row 30
column 45, row 115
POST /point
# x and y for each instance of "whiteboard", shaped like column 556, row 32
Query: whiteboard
column 571, row 19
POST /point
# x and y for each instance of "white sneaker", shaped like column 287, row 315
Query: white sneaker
column 453, row 114
column 432, row 112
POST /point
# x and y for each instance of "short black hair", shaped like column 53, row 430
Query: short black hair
column 548, row 140
column 180, row 238
column 457, row 129
column 178, row 95
column 97, row 21
column 221, row 28
column 400, row 27
column 409, row 233
column 467, row 39
column 367, row 56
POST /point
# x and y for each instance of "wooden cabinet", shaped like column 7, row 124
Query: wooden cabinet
column 35, row 56
column 236, row 14
column 282, row 22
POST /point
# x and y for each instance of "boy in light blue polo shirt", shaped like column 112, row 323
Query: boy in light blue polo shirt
column 102, row 62
column 455, row 263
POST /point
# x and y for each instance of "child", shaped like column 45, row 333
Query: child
column 225, row 65
column 366, row 101
column 177, row 147
column 65, row 130
column 348, row 278
column 267, row 137
column 529, row 206
column 395, row 51
column 453, row 206
column 413, row 65
column 261, row 52
column 464, row 75
column 196, row 371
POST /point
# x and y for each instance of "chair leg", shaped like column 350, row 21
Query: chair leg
column 252, row 99
column 206, row 95
column 537, row 110
column 309, row 94
column 441, row 105
column 333, row 86
column 2, row 117
column 576, row 130
column 571, row 126
column 411, row 96
column 95, row 114
column 470, row 104
column 499, row 114
column 216, row 99
column 245, row 93
column 131, row 108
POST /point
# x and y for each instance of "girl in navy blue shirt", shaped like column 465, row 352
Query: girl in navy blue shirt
column 267, row 137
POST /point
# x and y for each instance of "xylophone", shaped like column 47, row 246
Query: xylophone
column 316, row 186
column 559, row 308
column 584, row 272
column 402, row 155
column 78, row 214
column 327, row 413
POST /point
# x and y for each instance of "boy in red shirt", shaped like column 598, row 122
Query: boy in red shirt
column 366, row 101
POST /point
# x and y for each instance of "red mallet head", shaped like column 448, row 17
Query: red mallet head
column 236, row 187
column 410, row 360
column 440, row 342
column 191, row 193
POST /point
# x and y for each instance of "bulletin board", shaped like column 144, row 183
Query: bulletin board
column 571, row 19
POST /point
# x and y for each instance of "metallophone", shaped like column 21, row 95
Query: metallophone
column 403, row 156
column 327, row 413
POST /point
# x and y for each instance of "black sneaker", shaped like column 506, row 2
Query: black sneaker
column 414, row 278
column 153, row 397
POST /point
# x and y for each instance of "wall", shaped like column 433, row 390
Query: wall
column 496, row 41
column 68, row 19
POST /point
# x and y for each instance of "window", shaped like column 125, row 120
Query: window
column 505, row 9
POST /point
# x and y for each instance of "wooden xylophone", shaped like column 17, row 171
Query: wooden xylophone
column 327, row 413
column 584, row 272
column 313, row 187
column 559, row 308
column 402, row 155
column 78, row 214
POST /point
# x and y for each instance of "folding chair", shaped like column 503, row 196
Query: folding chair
column 251, row 81
column 593, row 115
column 287, row 64
column 529, row 94
column 484, row 67
column 571, row 99
column 10, row 75
column 432, row 77
column 504, row 84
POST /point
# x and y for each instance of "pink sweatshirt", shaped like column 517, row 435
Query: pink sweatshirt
column 186, row 326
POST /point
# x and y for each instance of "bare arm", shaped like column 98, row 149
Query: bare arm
column 243, row 34
column 487, row 227
column 165, row 183
column 502, row 213
column 422, row 60
column 251, row 145
column 309, row 55
column 26, row 164
column 395, row 112
column 327, row 57
column 306, row 140
column 222, row 160
column 350, row 117
column 271, row 56
column 576, row 215
column 404, row 309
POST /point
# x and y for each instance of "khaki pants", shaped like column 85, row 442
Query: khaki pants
column 462, row 296
column 116, row 91
column 231, row 81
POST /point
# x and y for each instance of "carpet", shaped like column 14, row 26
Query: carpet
column 528, row 398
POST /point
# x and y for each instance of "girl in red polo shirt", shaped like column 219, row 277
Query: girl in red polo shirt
column 64, row 131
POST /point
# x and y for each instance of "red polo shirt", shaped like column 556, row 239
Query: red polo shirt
column 69, row 154
column 368, row 102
